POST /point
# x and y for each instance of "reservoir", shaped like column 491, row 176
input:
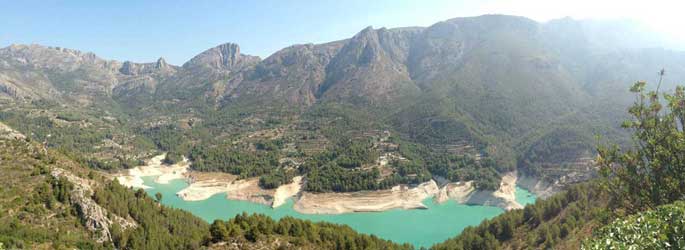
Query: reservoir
column 421, row 228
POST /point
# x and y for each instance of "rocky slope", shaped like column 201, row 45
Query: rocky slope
column 95, row 218
column 54, row 199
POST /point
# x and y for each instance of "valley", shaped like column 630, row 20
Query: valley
column 484, row 132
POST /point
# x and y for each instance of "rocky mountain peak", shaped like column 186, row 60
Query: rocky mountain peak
column 363, row 48
column 229, row 54
column 223, row 57
column 376, row 45
column 127, row 68
column 370, row 65
column 161, row 63
column 131, row 68
column 366, row 31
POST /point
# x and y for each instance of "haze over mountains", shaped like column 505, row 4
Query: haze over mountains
column 472, row 105
column 526, row 93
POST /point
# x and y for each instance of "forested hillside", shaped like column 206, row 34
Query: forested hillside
column 562, row 221
column 49, row 193
column 52, row 202
column 637, row 204
column 518, row 94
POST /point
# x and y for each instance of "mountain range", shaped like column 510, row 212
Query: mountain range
column 530, row 95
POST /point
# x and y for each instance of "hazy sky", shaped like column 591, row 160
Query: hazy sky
column 177, row 30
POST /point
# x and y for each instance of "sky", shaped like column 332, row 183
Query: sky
column 142, row 31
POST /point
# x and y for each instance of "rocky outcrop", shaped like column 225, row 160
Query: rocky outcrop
column 205, row 185
column 249, row 190
column 371, row 65
column 287, row 191
column 96, row 218
column 56, row 58
column 457, row 191
column 58, row 74
column 465, row 193
column 154, row 167
column 542, row 189
column 293, row 75
column 225, row 57
column 8, row 133
column 161, row 66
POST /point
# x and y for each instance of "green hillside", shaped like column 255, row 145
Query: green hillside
column 51, row 202
column 501, row 88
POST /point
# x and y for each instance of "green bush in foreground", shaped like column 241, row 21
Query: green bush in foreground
column 653, row 172
column 663, row 228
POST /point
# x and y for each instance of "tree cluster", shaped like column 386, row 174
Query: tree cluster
column 323, row 235
column 542, row 225
column 484, row 172
column 238, row 162
column 276, row 178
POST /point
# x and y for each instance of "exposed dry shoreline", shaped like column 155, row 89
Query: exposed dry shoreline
column 399, row 197
column 402, row 197
column 540, row 188
column 204, row 185
column 465, row 193
column 153, row 167
column 245, row 189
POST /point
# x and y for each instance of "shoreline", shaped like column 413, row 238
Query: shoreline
column 465, row 193
column 540, row 188
column 153, row 167
column 202, row 186
column 234, row 189
column 401, row 196
column 398, row 197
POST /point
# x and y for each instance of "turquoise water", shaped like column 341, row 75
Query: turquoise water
column 524, row 197
column 416, row 227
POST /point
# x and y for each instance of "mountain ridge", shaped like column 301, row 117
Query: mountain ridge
column 504, row 85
